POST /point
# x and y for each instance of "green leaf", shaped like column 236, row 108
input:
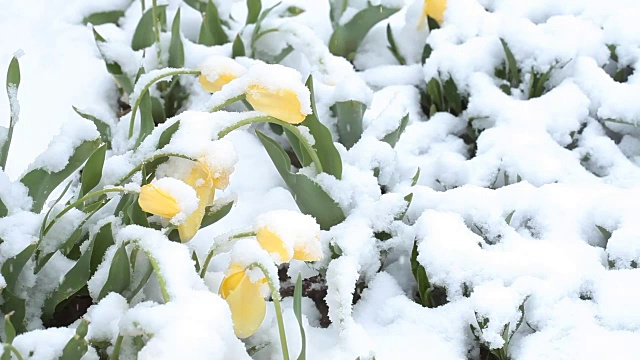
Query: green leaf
column 347, row 38
column 253, row 10
column 325, row 148
column 144, row 35
column 13, row 73
column 605, row 233
column 194, row 257
column 146, row 118
column 197, row 4
column 3, row 209
column 104, row 17
column 420, row 274
column 101, row 242
column 74, row 280
column 393, row 47
column 453, row 97
column 297, row 310
column 310, row 197
column 103, row 127
column 92, row 171
column 238, row 47
column 9, row 330
column 215, row 213
column 41, row 183
column 509, row 217
column 136, row 214
column 119, row 276
column 349, row 114
column 17, row 305
column 393, row 137
column 514, row 75
column 211, row 31
column 426, row 53
column 167, row 134
column 435, row 92
column 176, row 48
column 77, row 346
column 13, row 266
column 113, row 68
column 282, row 55
column 415, row 178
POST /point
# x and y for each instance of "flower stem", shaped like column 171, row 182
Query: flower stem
column 14, row 351
column 78, row 202
column 147, row 161
column 115, row 355
column 222, row 242
column 161, row 281
column 275, row 295
column 227, row 102
column 136, row 105
column 293, row 129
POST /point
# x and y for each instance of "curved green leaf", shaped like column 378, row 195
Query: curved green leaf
column 176, row 48
column 143, row 36
column 309, row 196
column 253, row 11
column 103, row 127
column 77, row 346
column 13, row 266
column 346, row 38
column 211, row 31
column 393, row 137
column 41, row 183
column 113, row 68
column 349, row 114
column 119, row 276
column 104, row 17
column 238, row 47
column 92, row 171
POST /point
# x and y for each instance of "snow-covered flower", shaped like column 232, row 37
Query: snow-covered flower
column 217, row 71
column 245, row 300
column 289, row 235
column 201, row 180
column 280, row 103
column 168, row 197
column 433, row 9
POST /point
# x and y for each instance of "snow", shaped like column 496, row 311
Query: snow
column 523, row 208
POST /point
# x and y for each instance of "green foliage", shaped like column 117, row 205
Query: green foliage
column 393, row 137
column 393, row 47
column 144, row 35
column 176, row 48
column 346, row 38
column 349, row 115
column 309, row 196
column 211, row 31
column 104, row 17
column 297, row 310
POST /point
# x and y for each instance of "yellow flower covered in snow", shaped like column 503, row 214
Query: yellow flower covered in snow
column 282, row 104
column 217, row 71
column 433, row 9
column 245, row 300
column 289, row 235
column 156, row 201
column 202, row 182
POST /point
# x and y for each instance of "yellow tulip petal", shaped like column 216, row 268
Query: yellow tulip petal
column 158, row 202
column 246, row 303
column 304, row 254
column 200, row 180
column 220, row 81
column 434, row 9
column 282, row 104
column 231, row 280
column 272, row 243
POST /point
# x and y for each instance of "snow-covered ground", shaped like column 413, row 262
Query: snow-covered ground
column 524, row 212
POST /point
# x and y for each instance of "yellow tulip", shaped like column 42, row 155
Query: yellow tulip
column 274, row 244
column 156, row 201
column 203, row 183
column 217, row 71
column 245, row 300
column 433, row 9
column 282, row 104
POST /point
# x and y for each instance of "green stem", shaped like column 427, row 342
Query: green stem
column 116, row 347
column 147, row 161
column 156, row 30
column 161, row 281
column 14, row 351
column 136, row 105
column 275, row 295
column 227, row 103
column 227, row 240
column 293, row 129
column 78, row 202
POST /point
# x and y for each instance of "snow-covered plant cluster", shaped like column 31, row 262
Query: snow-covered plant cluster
column 349, row 179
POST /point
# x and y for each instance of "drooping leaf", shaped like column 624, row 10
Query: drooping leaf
column 346, row 38
column 41, row 183
column 215, row 213
column 349, row 114
column 119, row 277
column 92, row 171
column 113, row 67
column 176, row 48
column 393, row 137
column 309, row 196
column 103, row 127
column 144, row 35
column 104, row 17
